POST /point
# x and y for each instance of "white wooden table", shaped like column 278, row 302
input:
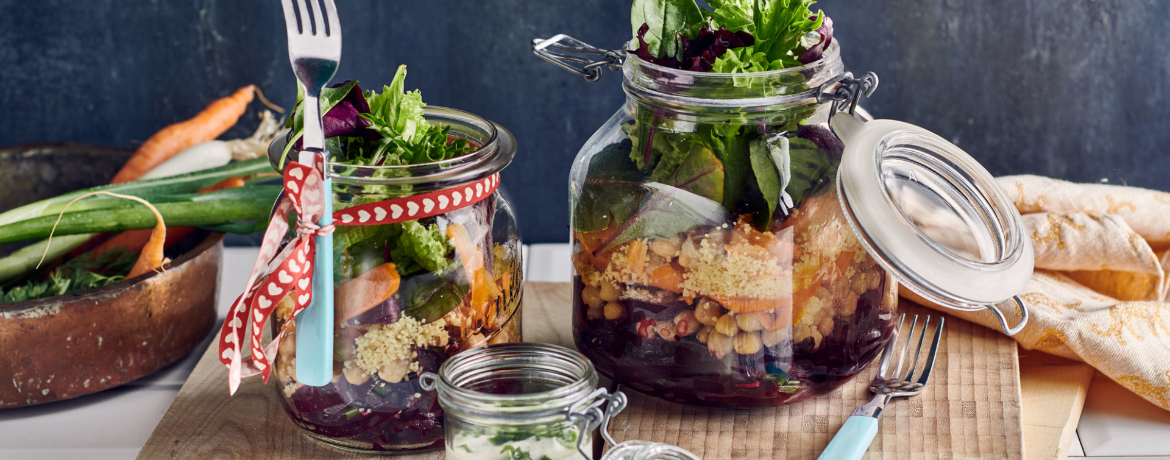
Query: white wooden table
column 114, row 424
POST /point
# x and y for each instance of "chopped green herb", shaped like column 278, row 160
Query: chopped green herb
column 81, row 273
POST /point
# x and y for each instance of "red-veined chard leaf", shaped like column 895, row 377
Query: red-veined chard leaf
column 663, row 21
column 665, row 211
column 769, row 179
column 700, row 173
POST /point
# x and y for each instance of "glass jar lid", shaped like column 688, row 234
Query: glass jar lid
column 932, row 216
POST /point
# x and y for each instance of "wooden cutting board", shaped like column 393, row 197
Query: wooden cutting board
column 1054, row 392
column 970, row 410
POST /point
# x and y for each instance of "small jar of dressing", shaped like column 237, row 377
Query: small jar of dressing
column 530, row 401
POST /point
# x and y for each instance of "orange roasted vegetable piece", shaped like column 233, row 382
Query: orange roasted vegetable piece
column 668, row 277
column 365, row 292
column 483, row 287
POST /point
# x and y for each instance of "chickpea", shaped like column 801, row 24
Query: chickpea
column 704, row 333
column 726, row 325
column 748, row 322
column 859, row 284
column 773, row 338
column 591, row 295
column 826, row 326
column 594, row 314
column 874, row 278
column 688, row 254
column 686, row 324
column 354, row 374
column 719, row 344
column 609, row 291
column 708, row 311
column 748, row 343
column 614, row 311
column 667, row 248
column 472, row 341
column 849, row 304
column 503, row 336
column 395, row 371
column 667, row 331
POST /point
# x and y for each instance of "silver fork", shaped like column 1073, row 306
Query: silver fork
column 314, row 49
column 855, row 436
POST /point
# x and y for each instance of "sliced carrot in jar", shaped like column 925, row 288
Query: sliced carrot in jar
column 592, row 241
column 799, row 301
column 668, row 277
column 637, row 257
column 365, row 292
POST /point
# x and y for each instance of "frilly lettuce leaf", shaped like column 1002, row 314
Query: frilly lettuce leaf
column 425, row 245
column 396, row 113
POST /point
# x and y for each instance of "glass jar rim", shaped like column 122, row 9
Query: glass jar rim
column 669, row 87
column 830, row 54
column 497, row 148
column 505, row 360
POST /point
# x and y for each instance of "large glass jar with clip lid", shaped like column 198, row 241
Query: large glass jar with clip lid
column 738, row 239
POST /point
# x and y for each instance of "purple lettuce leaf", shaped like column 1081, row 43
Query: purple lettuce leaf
column 696, row 54
column 816, row 51
column 343, row 119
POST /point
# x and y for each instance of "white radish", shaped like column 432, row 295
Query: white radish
column 217, row 153
column 209, row 154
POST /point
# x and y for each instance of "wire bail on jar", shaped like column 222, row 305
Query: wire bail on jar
column 565, row 51
column 590, row 417
column 844, row 91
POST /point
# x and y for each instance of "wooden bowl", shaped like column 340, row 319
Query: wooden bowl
column 67, row 346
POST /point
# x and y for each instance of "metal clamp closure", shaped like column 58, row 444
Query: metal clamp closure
column 1009, row 330
column 566, row 51
column 844, row 91
column 590, row 416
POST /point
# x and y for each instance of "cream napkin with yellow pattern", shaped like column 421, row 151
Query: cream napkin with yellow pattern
column 1099, row 293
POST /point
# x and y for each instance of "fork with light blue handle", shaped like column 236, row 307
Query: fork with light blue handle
column 314, row 49
column 854, row 438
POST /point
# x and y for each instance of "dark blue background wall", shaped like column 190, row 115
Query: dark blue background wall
column 1076, row 89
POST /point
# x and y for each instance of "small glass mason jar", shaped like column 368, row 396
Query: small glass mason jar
column 531, row 401
column 712, row 262
column 466, row 298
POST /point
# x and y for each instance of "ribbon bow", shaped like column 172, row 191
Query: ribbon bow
column 292, row 268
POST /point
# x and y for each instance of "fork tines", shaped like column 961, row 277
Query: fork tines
column 896, row 382
column 320, row 20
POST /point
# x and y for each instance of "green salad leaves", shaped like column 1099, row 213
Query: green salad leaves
column 776, row 25
column 735, row 36
column 378, row 129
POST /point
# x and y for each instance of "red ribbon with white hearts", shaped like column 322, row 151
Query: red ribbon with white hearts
column 292, row 268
